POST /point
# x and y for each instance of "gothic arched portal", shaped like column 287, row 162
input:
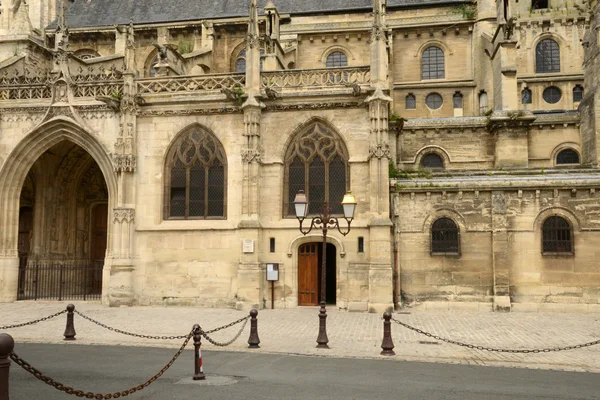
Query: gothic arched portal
column 62, row 226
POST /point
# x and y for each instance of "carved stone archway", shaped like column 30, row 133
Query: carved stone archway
column 13, row 174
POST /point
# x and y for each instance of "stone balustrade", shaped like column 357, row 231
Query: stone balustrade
column 326, row 77
column 213, row 82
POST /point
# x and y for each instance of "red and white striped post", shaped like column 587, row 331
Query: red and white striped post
column 198, row 370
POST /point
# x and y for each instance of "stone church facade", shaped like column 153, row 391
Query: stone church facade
column 150, row 152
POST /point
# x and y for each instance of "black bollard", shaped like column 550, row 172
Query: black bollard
column 387, row 344
column 198, row 370
column 70, row 328
column 7, row 344
column 253, row 340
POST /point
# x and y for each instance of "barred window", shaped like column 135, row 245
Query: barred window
column 445, row 237
column 432, row 64
column 547, row 57
column 556, row 236
column 526, row 96
column 434, row 101
column 457, row 100
column 316, row 162
column 195, row 183
column 577, row 93
column 411, row 102
column 567, row 156
column 240, row 63
column 552, row 95
column 336, row 59
column 432, row 160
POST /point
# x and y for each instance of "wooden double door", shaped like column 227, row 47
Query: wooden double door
column 309, row 274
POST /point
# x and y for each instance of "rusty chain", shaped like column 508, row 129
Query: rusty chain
column 129, row 333
column 225, row 344
column 33, row 322
column 485, row 348
column 89, row 395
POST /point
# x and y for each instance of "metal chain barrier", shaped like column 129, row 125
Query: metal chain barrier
column 33, row 322
column 89, row 395
column 129, row 333
column 225, row 344
column 471, row 346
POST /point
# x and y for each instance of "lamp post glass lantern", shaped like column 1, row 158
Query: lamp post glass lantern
column 324, row 221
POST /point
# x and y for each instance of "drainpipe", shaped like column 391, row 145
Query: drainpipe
column 396, row 272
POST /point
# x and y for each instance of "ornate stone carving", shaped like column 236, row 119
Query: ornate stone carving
column 190, row 84
column 198, row 111
column 121, row 214
column 379, row 151
column 316, row 77
column 124, row 162
column 251, row 155
column 314, row 106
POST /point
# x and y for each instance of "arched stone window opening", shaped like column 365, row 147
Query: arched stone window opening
column 445, row 237
column 240, row 63
column 577, row 93
column 432, row 63
column 316, row 162
column 556, row 236
column 411, row 102
column 336, row 59
column 432, row 161
column 483, row 103
column 526, row 96
column 547, row 57
column 196, row 176
column 567, row 157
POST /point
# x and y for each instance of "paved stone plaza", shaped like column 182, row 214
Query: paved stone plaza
column 294, row 331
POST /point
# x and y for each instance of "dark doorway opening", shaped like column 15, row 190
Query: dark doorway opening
column 331, row 283
column 310, row 256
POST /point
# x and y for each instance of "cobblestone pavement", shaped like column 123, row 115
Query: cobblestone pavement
column 355, row 335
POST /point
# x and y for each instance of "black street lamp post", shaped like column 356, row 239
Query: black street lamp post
column 324, row 221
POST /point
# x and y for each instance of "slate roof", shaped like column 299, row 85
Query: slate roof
column 88, row 13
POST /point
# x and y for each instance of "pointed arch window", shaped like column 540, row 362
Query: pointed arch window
column 547, row 57
column 240, row 62
column 196, row 176
column 316, row 162
column 445, row 237
column 556, row 236
column 432, row 63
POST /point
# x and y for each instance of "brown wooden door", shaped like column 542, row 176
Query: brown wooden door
column 308, row 279
column 99, row 228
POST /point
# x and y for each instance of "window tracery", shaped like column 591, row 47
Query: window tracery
column 195, row 187
column 316, row 162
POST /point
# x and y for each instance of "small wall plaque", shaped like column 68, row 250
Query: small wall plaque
column 248, row 246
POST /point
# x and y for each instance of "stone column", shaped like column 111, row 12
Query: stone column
column 250, row 280
column 121, row 265
column 501, row 259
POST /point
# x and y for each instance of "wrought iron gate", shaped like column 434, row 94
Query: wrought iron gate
column 60, row 280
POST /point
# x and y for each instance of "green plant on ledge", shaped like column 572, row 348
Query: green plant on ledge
column 468, row 11
column 116, row 95
column 185, row 46
column 239, row 94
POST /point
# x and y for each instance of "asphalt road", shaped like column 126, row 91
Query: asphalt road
column 235, row 375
